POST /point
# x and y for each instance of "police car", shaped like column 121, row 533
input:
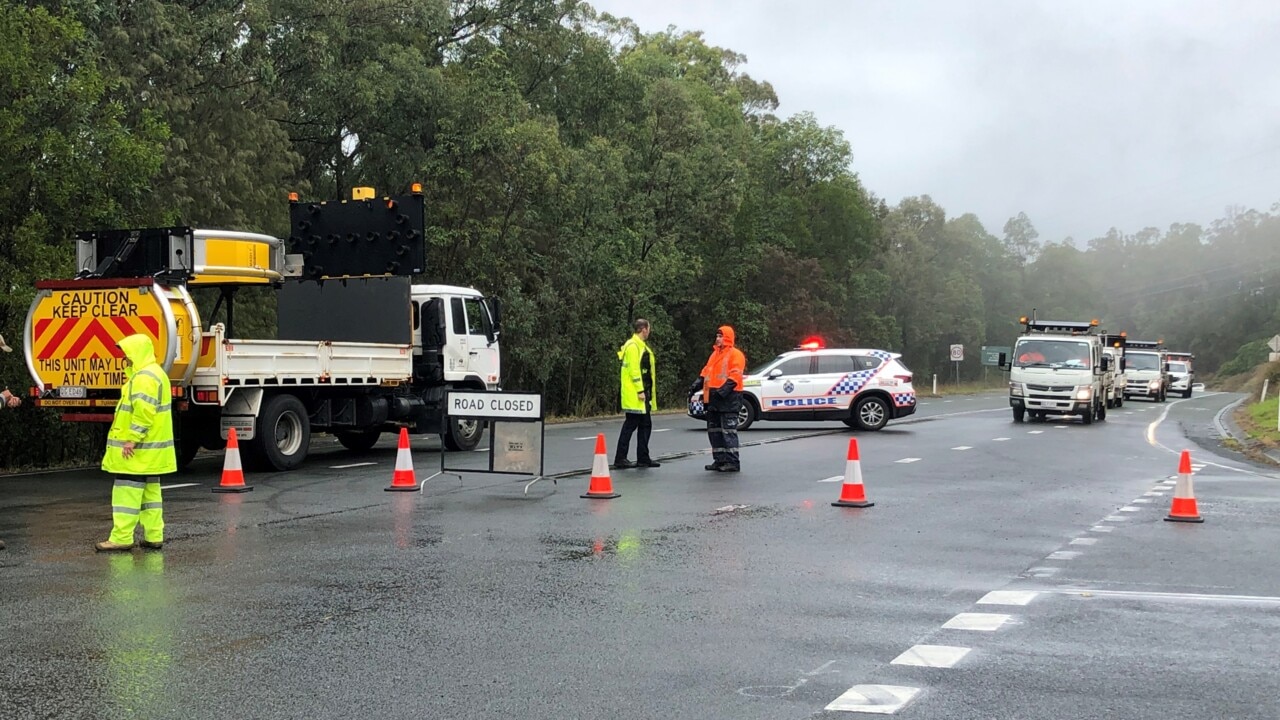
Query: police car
column 863, row 388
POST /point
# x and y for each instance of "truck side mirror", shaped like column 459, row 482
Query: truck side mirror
column 1106, row 364
column 495, row 314
column 1124, row 364
column 1166, row 367
column 1003, row 362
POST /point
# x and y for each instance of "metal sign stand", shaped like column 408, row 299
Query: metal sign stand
column 517, row 432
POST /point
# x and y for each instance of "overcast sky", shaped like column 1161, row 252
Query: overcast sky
column 1085, row 115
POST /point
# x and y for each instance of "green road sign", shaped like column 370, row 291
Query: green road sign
column 991, row 354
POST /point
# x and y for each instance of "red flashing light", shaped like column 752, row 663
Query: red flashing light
column 812, row 342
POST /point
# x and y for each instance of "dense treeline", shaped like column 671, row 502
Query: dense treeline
column 586, row 172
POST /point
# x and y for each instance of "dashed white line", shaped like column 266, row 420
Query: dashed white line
column 1130, row 508
column 179, row 485
column 963, row 447
column 589, row 437
column 1084, row 541
column 936, row 656
column 344, row 467
column 1154, row 493
column 985, row 622
column 1059, row 427
column 1034, row 432
column 908, row 460
column 1043, row 572
column 998, row 439
column 663, row 430
column 1008, row 597
column 876, row 699
column 1101, row 528
column 837, row 478
column 1142, row 500
column 1063, row 555
column 1115, row 518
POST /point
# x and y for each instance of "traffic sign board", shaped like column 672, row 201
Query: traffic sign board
column 957, row 353
column 991, row 354
column 1274, row 344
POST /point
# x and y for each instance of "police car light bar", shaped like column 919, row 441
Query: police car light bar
column 813, row 342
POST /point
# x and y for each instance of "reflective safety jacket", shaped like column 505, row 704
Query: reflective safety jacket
column 638, row 374
column 722, row 375
column 143, row 416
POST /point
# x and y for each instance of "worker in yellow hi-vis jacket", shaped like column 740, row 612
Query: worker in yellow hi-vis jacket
column 140, row 448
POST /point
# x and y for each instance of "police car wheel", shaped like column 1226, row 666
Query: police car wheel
column 871, row 413
column 746, row 414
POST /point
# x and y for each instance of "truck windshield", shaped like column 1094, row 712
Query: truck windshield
column 1177, row 367
column 1143, row 361
column 1053, row 353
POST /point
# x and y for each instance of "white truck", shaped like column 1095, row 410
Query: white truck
column 1148, row 370
column 1058, row 368
column 359, row 349
column 1182, row 375
column 1113, row 347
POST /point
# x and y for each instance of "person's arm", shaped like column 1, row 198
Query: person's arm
column 631, row 364
column 144, row 401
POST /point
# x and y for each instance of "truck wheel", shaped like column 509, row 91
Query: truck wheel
column 359, row 441
column 1019, row 413
column 746, row 414
column 1087, row 416
column 1186, row 393
column 463, row 434
column 1102, row 412
column 187, row 445
column 1120, row 401
column 871, row 413
column 283, row 435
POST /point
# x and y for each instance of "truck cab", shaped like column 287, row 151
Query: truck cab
column 1058, row 368
column 1113, row 347
column 1148, row 370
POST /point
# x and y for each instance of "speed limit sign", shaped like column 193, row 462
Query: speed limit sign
column 957, row 353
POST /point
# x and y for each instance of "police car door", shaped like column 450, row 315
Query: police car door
column 785, row 385
column 839, row 380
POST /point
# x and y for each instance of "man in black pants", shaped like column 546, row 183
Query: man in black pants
column 638, row 401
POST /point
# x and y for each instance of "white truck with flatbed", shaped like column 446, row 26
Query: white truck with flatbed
column 359, row 349
column 1148, row 370
column 1058, row 368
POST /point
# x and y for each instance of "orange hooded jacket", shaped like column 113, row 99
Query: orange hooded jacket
column 726, row 363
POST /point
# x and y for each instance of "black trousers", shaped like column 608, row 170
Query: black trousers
column 635, row 421
column 722, row 430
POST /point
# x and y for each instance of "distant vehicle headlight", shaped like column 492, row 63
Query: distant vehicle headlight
column 1084, row 392
column 1154, row 384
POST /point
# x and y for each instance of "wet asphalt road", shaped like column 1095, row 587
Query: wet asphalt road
column 694, row 595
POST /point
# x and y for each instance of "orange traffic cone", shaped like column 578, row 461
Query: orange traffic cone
column 232, row 471
column 403, row 479
column 1184, row 495
column 601, row 484
column 851, row 492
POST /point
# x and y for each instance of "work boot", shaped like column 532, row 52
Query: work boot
column 730, row 468
column 713, row 467
column 648, row 463
column 152, row 545
column 623, row 464
column 108, row 546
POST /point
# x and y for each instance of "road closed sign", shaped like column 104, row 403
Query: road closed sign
column 957, row 353
column 495, row 405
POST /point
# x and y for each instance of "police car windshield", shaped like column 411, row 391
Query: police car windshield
column 759, row 369
column 1143, row 361
column 1053, row 353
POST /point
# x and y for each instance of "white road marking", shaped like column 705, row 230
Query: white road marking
column 1063, row 555
column 1008, row 597
column 986, row 622
column 1143, row 500
column 344, row 467
column 946, row 401
column 876, row 699
column 179, row 485
column 1127, row 412
column 937, row 656
column 483, row 449
column 663, row 430
column 837, row 478
column 1115, row 518
column 1170, row 481
column 1084, row 541
column 1059, row 427
column 1155, row 493
column 963, row 447
column 1043, row 571
column 998, row 439
column 1034, row 432
column 590, row 437
column 1101, row 528
column 1130, row 508
column 1198, row 597
column 908, row 460
column 1151, row 440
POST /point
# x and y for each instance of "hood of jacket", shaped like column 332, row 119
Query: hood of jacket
column 140, row 351
column 726, row 332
